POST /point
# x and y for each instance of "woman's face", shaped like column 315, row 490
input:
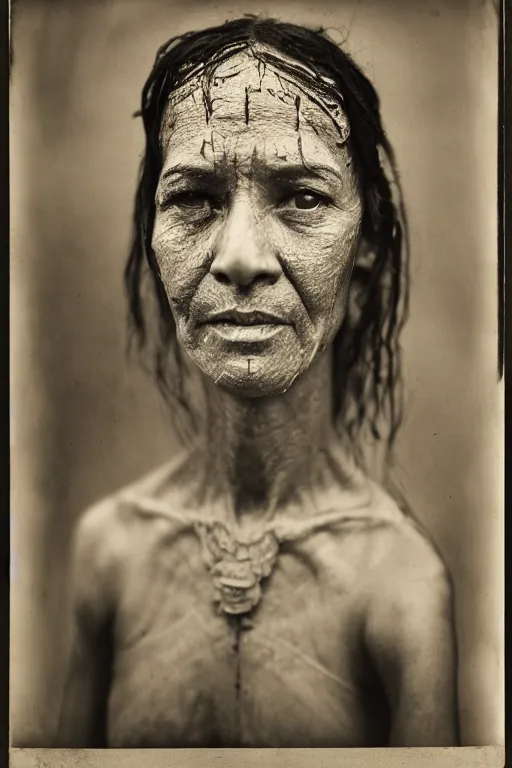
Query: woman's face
column 257, row 221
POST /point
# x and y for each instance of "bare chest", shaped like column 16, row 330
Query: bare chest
column 288, row 673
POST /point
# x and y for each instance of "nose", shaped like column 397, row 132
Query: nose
column 243, row 254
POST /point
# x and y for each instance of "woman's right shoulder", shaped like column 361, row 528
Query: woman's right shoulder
column 104, row 539
column 105, row 530
column 100, row 539
column 98, row 547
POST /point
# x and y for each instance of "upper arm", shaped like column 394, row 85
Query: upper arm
column 409, row 633
column 93, row 583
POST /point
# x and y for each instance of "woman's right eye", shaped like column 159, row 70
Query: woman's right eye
column 196, row 201
column 193, row 202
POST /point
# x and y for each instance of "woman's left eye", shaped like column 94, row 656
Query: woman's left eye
column 303, row 201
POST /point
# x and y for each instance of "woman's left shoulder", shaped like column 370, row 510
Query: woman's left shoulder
column 403, row 554
column 408, row 602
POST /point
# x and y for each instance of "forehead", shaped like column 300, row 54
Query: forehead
column 251, row 108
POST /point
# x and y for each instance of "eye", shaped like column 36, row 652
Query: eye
column 189, row 203
column 304, row 200
column 196, row 201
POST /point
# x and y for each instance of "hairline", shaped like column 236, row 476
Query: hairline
column 314, row 85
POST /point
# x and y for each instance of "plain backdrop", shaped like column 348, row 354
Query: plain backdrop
column 85, row 421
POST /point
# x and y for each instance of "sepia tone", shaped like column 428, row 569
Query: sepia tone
column 92, row 423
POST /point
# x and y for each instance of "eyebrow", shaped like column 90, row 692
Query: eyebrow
column 279, row 172
column 194, row 171
column 294, row 172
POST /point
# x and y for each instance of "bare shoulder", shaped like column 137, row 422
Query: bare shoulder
column 104, row 530
column 98, row 547
column 407, row 595
column 408, row 628
column 104, row 539
column 99, row 534
column 404, row 562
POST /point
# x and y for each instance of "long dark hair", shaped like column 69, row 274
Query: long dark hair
column 367, row 380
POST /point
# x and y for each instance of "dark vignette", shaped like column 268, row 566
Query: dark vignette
column 4, row 366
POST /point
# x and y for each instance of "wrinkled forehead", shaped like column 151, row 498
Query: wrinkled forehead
column 246, row 96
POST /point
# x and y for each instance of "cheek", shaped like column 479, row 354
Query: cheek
column 182, row 257
column 320, row 264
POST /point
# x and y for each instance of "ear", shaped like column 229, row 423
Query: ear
column 361, row 271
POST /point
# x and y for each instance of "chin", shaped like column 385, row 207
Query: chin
column 251, row 377
column 255, row 386
column 265, row 369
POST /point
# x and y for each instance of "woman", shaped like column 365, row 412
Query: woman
column 261, row 589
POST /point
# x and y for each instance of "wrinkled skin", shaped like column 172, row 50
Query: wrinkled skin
column 271, row 225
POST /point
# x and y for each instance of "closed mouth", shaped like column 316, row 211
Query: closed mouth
column 237, row 317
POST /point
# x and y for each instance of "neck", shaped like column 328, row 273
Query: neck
column 258, row 455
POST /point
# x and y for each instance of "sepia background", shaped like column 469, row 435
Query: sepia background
column 85, row 421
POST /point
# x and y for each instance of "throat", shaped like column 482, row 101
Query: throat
column 258, row 454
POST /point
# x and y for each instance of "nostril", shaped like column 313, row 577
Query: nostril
column 258, row 280
column 222, row 278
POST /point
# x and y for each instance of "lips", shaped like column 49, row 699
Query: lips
column 244, row 318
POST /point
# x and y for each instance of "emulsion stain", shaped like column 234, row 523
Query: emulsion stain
column 301, row 153
column 247, row 105
column 262, row 68
column 236, row 623
column 236, row 648
column 207, row 105
column 240, row 624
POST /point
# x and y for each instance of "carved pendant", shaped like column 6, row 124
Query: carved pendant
column 236, row 568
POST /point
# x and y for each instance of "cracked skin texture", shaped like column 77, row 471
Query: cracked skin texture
column 261, row 128
column 351, row 643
